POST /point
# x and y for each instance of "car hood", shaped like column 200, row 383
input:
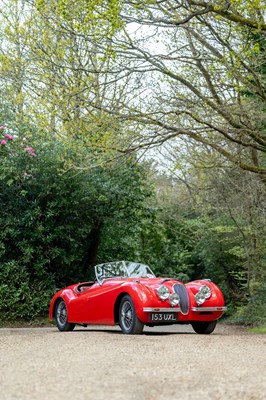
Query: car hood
column 155, row 283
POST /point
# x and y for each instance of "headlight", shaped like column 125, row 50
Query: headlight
column 163, row 292
column 200, row 298
column 203, row 294
column 174, row 299
column 206, row 291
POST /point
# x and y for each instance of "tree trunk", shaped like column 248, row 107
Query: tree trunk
column 93, row 246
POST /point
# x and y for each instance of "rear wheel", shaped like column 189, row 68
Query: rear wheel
column 61, row 317
column 204, row 328
column 128, row 320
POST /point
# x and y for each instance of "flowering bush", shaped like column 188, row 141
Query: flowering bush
column 30, row 151
column 7, row 137
column 15, row 156
column 54, row 219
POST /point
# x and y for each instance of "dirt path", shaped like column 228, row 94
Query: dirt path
column 100, row 363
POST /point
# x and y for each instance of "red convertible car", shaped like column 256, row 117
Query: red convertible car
column 129, row 294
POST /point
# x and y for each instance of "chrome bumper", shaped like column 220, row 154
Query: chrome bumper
column 177, row 309
column 199, row 309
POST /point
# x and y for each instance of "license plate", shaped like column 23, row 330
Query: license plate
column 163, row 317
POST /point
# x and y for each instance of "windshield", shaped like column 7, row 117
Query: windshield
column 123, row 269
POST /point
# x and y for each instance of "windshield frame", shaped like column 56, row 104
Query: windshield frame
column 122, row 269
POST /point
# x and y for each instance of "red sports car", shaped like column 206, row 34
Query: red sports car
column 129, row 294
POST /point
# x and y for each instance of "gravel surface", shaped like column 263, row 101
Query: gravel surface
column 101, row 363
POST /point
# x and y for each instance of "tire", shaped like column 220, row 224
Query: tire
column 128, row 320
column 204, row 328
column 61, row 317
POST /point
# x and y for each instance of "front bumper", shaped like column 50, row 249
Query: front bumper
column 207, row 309
column 177, row 309
column 154, row 309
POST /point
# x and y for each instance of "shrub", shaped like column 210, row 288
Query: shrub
column 254, row 312
column 20, row 297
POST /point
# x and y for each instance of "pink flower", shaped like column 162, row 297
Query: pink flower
column 9, row 137
column 31, row 151
column 1, row 128
column 3, row 142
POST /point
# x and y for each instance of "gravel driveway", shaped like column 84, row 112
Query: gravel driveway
column 101, row 363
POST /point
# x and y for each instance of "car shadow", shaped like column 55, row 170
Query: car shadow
column 118, row 332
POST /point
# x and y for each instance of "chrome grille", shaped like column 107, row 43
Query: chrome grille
column 184, row 299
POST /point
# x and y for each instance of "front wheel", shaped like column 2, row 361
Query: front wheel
column 204, row 328
column 61, row 317
column 128, row 320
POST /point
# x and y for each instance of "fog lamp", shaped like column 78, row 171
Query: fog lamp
column 174, row 299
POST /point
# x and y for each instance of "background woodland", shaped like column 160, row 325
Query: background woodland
column 132, row 130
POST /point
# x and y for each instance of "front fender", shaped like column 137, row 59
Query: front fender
column 143, row 296
column 66, row 294
column 217, row 298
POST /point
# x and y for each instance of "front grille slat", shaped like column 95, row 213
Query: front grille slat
column 184, row 299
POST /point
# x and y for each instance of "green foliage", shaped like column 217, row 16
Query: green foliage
column 58, row 220
column 20, row 296
column 177, row 245
column 261, row 329
column 99, row 16
column 216, row 256
column 63, row 208
column 254, row 312
column 53, row 217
